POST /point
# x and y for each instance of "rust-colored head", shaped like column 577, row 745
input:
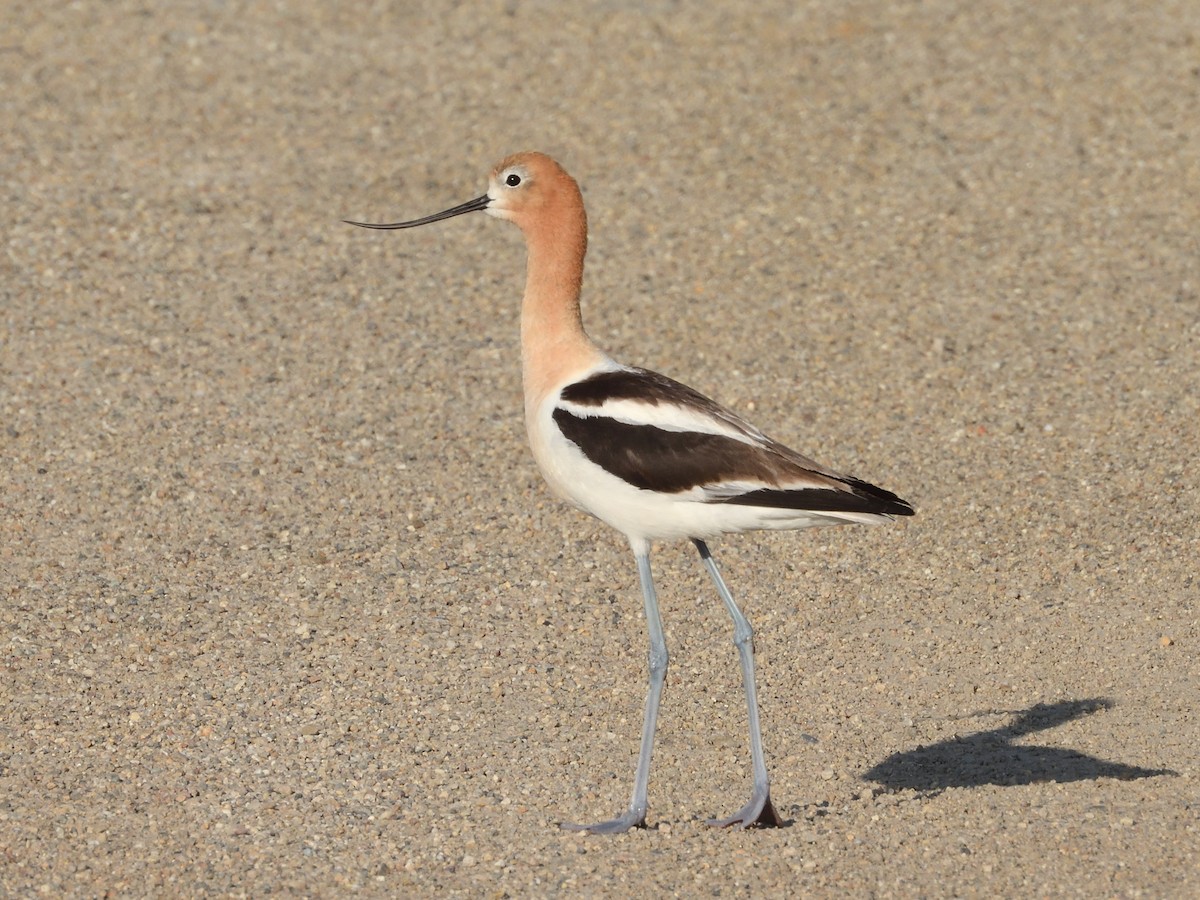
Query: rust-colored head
column 529, row 189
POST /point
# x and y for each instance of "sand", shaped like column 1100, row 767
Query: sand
column 284, row 605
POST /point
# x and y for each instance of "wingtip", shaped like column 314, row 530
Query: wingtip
column 889, row 504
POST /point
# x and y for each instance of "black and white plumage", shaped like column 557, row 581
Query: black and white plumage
column 658, row 435
column 651, row 457
column 658, row 460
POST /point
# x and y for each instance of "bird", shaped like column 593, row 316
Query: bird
column 649, row 456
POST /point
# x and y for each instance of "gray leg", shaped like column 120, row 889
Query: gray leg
column 635, row 816
column 759, row 810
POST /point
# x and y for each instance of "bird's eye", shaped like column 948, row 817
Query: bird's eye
column 513, row 180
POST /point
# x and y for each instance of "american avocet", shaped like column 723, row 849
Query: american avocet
column 653, row 458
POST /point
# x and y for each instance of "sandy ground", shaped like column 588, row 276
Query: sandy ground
column 284, row 606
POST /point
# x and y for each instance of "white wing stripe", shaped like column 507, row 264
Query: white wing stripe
column 667, row 416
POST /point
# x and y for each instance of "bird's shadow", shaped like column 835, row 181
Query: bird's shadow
column 992, row 757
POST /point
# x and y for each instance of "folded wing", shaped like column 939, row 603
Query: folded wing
column 660, row 435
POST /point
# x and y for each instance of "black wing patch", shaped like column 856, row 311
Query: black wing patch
column 645, row 386
column 633, row 384
column 655, row 459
